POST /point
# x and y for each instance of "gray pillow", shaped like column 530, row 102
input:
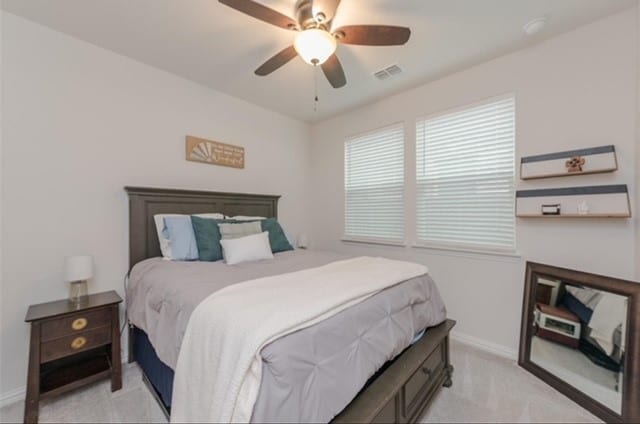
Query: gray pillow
column 237, row 230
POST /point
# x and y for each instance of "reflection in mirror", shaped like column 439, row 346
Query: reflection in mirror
column 579, row 336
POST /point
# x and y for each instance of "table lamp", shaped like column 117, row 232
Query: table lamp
column 303, row 241
column 77, row 270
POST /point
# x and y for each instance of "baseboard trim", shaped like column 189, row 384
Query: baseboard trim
column 490, row 347
column 12, row 396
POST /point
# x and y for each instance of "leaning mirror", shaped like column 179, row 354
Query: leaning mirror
column 581, row 334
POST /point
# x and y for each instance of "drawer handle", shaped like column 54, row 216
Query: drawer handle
column 78, row 342
column 426, row 371
column 79, row 324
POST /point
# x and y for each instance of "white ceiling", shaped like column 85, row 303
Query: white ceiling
column 209, row 43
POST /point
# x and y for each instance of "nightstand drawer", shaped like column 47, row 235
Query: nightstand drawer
column 75, row 323
column 79, row 342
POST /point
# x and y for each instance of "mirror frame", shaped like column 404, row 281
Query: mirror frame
column 631, row 381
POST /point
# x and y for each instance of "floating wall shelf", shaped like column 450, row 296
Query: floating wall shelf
column 593, row 160
column 607, row 201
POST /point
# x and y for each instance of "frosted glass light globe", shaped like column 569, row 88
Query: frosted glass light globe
column 315, row 46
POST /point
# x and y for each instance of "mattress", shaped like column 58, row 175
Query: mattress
column 308, row 375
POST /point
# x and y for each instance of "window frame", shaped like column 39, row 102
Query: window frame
column 371, row 239
column 474, row 248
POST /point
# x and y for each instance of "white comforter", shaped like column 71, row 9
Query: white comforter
column 219, row 368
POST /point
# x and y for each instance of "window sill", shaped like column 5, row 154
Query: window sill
column 467, row 251
column 374, row 242
column 507, row 256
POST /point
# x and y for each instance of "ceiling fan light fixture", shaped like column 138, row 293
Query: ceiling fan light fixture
column 315, row 46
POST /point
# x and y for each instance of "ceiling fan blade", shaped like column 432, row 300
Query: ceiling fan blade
column 326, row 7
column 373, row 35
column 261, row 12
column 276, row 61
column 332, row 69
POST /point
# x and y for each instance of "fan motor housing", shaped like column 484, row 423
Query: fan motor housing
column 304, row 14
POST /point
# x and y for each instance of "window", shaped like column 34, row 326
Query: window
column 374, row 185
column 465, row 177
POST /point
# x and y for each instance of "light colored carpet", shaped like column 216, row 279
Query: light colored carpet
column 572, row 366
column 486, row 388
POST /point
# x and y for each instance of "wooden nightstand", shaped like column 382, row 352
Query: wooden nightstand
column 72, row 345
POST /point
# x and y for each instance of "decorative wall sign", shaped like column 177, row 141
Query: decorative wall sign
column 584, row 202
column 573, row 162
column 214, row 152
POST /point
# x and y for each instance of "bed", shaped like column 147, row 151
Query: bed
column 399, row 390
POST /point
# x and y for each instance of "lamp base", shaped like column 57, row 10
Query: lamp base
column 78, row 292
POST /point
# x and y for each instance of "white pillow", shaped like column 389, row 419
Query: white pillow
column 245, row 249
column 165, row 246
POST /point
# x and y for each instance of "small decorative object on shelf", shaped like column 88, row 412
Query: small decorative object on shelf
column 551, row 209
column 583, row 208
column 77, row 270
column 583, row 202
column 573, row 162
column 72, row 346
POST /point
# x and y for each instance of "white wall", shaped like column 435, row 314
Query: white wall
column 1, row 190
column 638, row 145
column 81, row 123
column 576, row 90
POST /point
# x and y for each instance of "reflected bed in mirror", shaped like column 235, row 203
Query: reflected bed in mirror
column 580, row 334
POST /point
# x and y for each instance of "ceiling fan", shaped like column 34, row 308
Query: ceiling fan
column 316, row 40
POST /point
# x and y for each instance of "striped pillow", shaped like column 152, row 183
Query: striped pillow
column 237, row 230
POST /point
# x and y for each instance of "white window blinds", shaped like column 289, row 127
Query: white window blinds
column 374, row 185
column 465, row 177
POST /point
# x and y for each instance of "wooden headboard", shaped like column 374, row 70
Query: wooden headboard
column 144, row 203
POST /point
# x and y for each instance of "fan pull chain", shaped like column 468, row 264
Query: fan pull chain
column 315, row 88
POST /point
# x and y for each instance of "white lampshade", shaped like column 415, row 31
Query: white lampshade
column 315, row 46
column 303, row 241
column 78, row 268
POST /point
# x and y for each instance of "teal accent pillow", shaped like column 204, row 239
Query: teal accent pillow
column 277, row 238
column 207, row 238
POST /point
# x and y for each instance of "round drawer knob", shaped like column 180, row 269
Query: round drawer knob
column 78, row 343
column 79, row 324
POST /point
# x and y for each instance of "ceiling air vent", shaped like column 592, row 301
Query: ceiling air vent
column 382, row 75
column 388, row 72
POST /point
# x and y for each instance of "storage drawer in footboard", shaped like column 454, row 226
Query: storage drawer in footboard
column 388, row 413
column 420, row 385
column 405, row 388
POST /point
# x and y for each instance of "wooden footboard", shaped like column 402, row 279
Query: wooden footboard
column 404, row 390
column 400, row 393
